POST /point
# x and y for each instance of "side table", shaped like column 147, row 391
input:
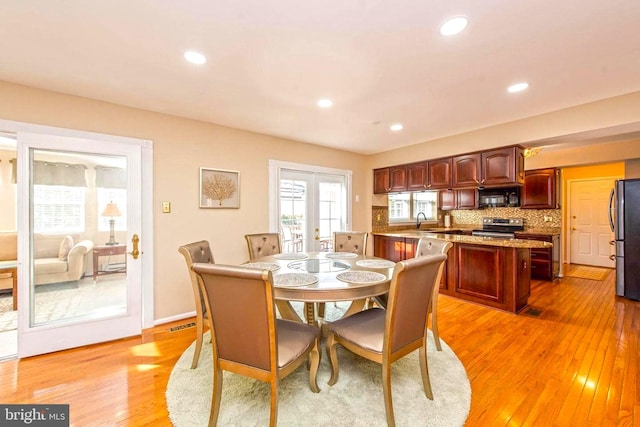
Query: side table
column 11, row 267
column 107, row 250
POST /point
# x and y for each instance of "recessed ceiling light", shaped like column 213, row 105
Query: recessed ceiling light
column 324, row 103
column 453, row 26
column 518, row 87
column 195, row 57
column 396, row 127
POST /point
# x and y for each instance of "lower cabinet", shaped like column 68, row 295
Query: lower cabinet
column 545, row 262
column 494, row 276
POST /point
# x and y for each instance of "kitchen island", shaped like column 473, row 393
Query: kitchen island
column 488, row 271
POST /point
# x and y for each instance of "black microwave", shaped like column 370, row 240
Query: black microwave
column 499, row 197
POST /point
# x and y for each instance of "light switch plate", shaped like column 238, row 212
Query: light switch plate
column 166, row 207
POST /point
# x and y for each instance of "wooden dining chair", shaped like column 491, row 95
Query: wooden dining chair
column 384, row 336
column 428, row 246
column 350, row 241
column 247, row 338
column 198, row 252
column 263, row 244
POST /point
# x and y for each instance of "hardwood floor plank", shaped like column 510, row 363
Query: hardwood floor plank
column 574, row 364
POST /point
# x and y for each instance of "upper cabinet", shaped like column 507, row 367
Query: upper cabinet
column 502, row 167
column 495, row 168
column 466, row 170
column 540, row 189
column 431, row 175
column 389, row 180
column 458, row 199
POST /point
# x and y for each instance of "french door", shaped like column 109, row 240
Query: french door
column 83, row 191
column 308, row 204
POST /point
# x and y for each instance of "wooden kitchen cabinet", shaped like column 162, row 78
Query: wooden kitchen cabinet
column 494, row 276
column 466, row 170
column 545, row 262
column 431, row 175
column 391, row 248
column 417, row 176
column 458, row 199
column 440, row 173
column 540, row 189
column 390, row 180
column 495, row 168
column 381, row 181
column 503, row 167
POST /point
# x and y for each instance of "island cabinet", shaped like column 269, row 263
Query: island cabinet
column 545, row 262
column 390, row 180
column 392, row 248
column 540, row 189
column 494, row 276
column 431, row 175
column 495, row 168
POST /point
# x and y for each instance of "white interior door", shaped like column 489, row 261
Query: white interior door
column 60, row 307
column 589, row 231
column 309, row 203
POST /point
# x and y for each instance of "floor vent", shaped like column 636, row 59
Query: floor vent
column 533, row 312
column 181, row 327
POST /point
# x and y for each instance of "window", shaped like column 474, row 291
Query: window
column 403, row 207
column 58, row 209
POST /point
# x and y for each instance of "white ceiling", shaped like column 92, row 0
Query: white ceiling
column 380, row 61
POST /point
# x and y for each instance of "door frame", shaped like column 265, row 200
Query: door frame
column 146, row 238
column 275, row 167
column 567, row 231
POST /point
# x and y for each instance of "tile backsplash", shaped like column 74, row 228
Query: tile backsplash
column 533, row 218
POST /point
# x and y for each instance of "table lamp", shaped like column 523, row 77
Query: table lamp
column 111, row 210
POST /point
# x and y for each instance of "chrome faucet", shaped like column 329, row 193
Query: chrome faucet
column 418, row 222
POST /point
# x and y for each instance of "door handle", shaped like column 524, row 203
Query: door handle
column 573, row 229
column 135, row 253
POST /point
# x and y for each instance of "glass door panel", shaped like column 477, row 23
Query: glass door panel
column 80, row 209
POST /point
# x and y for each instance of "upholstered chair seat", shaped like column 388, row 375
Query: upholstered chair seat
column 247, row 339
column 384, row 336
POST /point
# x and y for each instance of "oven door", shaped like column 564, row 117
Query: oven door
column 493, row 234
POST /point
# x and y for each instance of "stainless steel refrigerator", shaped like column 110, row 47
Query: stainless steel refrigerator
column 624, row 218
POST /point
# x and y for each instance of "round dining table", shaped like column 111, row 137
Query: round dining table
column 320, row 277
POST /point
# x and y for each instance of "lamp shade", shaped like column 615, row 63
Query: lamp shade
column 111, row 210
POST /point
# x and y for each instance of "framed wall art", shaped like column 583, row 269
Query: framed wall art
column 219, row 189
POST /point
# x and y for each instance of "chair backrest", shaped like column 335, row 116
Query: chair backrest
column 197, row 252
column 431, row 246
column 350, row 241
column 263, row 244
column 242, row 314
column 409, row 300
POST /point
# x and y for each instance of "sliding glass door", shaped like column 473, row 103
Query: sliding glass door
column 308, row 204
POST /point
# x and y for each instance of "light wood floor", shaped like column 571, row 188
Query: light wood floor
column 576, row 364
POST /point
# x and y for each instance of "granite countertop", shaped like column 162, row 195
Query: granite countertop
column 457, row 238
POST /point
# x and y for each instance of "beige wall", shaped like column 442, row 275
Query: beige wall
column 7, row 192
column 180, row 148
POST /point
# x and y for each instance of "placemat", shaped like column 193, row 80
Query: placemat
column 375, row 263
column 291, row 255
column 262, row 265
column 294, row 279
column 341, row 255
column 361, row 277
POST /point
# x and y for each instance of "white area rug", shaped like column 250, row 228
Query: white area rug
column 355, row 400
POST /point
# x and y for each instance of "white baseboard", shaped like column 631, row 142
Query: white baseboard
column 174, row 318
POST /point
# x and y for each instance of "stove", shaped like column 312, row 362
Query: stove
column 500, row 228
